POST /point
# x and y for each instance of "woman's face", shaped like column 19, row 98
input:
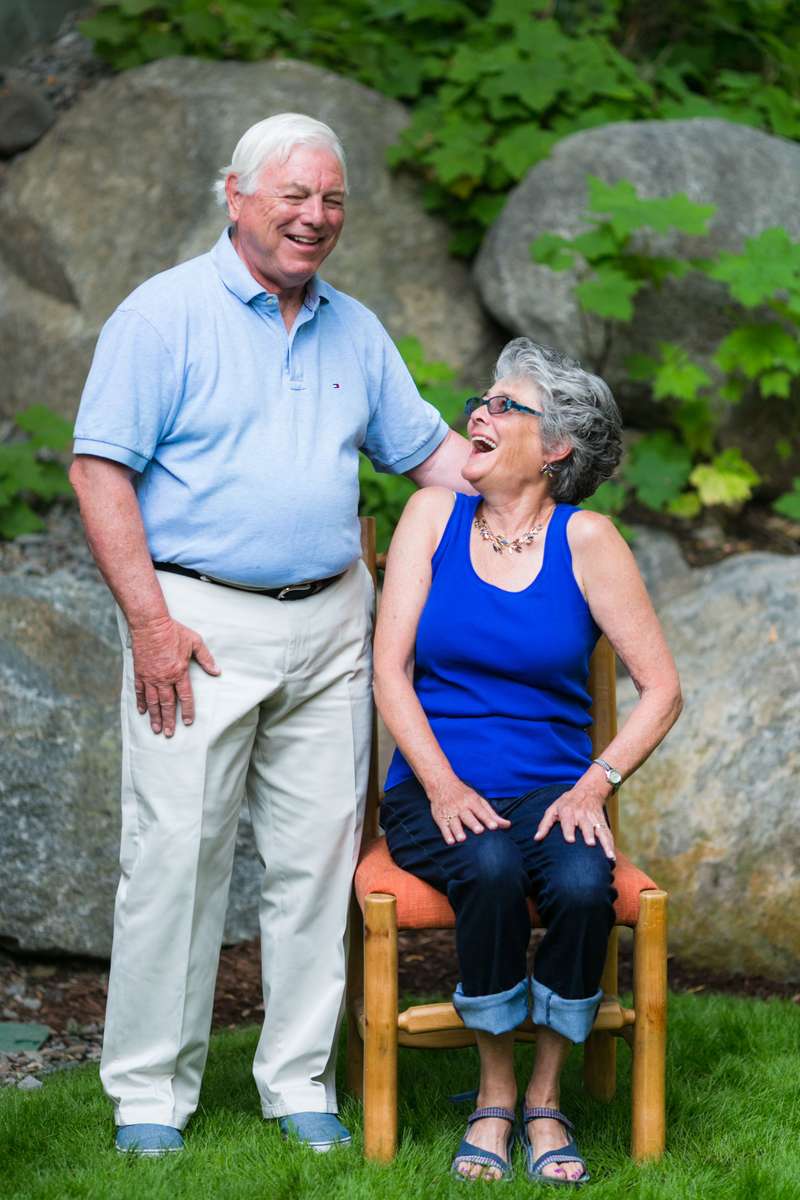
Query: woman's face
column 507, row 448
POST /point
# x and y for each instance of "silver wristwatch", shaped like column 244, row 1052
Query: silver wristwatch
column 612, row 774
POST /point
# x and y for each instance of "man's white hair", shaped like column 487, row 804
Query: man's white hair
column 275, row 138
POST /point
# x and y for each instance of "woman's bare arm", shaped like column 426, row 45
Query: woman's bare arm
column 606, row 572
column 405, row 590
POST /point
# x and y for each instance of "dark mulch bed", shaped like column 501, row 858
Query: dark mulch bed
column 69, row 993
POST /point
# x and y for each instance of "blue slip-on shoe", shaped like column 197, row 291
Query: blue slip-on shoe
column 467, row 1153
column 565, row 1154
column 321, row 1131
column 151, row 1141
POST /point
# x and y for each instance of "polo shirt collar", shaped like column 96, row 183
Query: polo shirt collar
column 237, row 279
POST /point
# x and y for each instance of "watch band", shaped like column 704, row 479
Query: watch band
column 613, row 776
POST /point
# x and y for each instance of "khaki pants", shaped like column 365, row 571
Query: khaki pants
column 286, row 724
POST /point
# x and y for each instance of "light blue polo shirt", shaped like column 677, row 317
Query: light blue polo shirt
column 246, row 437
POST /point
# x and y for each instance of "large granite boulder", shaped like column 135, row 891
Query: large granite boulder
column 59, row 789
column 119, row 189
column 712, row 162
column 714, row 814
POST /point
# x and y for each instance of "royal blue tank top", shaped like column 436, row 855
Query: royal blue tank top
column 502, row 676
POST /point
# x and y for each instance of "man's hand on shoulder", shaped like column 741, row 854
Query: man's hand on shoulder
column 162, row 651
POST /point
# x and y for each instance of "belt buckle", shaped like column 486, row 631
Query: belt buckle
column 285, row 593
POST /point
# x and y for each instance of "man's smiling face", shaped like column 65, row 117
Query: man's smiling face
column 288, row 227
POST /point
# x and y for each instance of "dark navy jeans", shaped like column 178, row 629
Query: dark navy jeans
column 487, row 878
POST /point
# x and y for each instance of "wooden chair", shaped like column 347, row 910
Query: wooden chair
column 387, row 899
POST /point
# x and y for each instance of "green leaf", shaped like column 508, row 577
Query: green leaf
column 658, row 469
column 775, row 383
column 728, row 480
column 525, row 145
column 608, row 293
column 486, row 207
column 696, row 423
column 626, row 211
column 783, row 449
column 18, row 518
column 536, row 85
column 135, row 8
column 788, row 505
column 553, row 251
column 641, row 367
column 598, row 243
column 609, row 498
column 677, row 375
column 756, row 349
column 685, row 506
column 47, row 428
column 106, row 27
column 768, row 264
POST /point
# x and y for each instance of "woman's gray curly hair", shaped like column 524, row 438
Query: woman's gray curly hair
column 578, row 411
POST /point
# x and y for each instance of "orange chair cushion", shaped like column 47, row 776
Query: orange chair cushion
column 420, row 906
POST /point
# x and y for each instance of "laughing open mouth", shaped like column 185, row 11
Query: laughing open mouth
column 303, row 241
column 484, row 445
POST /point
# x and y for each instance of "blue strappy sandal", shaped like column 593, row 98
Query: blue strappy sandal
column 467, row 1153
column 565, row 1154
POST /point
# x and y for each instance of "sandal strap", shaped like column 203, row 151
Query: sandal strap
column 552, row 1114
column 492, row 1111
column 483, row 1158
column 567, row 1154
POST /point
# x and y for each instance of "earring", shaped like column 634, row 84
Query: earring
column 547, row 469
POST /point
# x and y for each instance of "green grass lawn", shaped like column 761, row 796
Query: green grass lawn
column 733, row 1126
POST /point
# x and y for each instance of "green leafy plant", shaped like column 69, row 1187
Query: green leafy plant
column 494, row 84
column 683, row 469
column 31, row 474
column 384, row 496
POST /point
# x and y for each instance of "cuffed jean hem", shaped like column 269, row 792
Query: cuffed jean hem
column 573, row 1019
column 498, row 1013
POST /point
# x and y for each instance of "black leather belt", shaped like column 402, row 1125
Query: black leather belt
column 292, row 591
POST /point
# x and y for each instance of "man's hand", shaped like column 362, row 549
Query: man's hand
column 456, row 805
column 579, row 808
column 162, row 651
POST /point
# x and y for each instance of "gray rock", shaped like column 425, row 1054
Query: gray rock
column 30, row 1084
column 59, row 789
column 119, row 189
column 25, row 114
column 711, row 161
column 713, row 815
column 665, row 571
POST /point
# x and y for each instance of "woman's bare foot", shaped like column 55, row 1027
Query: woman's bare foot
column 490, row 1133
column 547, row 1134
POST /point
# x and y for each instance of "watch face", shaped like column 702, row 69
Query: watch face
column 614, row 777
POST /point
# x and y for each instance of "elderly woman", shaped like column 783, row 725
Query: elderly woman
column 491, row 608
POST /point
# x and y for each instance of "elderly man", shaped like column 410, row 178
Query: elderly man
column 217, row 471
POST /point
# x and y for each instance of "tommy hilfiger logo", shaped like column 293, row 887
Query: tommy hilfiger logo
column 336, row 385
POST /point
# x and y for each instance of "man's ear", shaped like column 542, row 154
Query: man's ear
column 233, row 196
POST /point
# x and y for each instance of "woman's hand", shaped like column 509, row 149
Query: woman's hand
column 579, row 808
column 455, row 806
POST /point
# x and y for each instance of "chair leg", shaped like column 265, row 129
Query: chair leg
column 650, row 1028
column 600, row 1050
column 355, row 994
column 380, row 1034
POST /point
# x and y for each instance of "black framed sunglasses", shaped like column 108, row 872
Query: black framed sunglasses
column 497, row 405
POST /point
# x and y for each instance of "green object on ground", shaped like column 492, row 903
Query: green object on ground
column 15, row 1036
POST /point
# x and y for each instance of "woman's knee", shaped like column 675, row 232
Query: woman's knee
column 584, row 891
column 494, row 863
